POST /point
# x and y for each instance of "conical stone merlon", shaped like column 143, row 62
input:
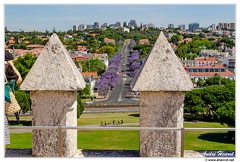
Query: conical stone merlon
column 162, row 70
column 53, row 70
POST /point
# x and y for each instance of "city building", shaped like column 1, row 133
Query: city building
column 193, row 26
column 75, row 27
column 182, row 27
column 90, row 26
column 105, row 25
column 132, row 24
column 125, row 24
column 207, row 71
column 171, row 26
column 151, row 25
column 225, row 26
column 97, row 25
column 213, row 27
column 118, row 24
column 93, row 79
column 82, row 27
column 232, row 26
column 229, row 62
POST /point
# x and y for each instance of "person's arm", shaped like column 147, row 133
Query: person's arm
column 10, row 62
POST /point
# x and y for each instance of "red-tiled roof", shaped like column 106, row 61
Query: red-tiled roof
column 143, row 41
column 107, row 40
column 82, row 48
column 93, row 74
column 93, row 34
column 96, row 56
column 35, row 46
column 211, row 74
column 188, row 39
column 206, row 59
column 80, row 58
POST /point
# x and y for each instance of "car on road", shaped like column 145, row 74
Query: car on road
column 88, row 102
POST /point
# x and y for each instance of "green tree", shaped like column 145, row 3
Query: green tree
column 226, row 114
column 85, row 92
column 24, row 64
column 80, row 106
column 182, row 51
column 96, row 65
column 200, row 82
column 23, row 98
column 175, row 39
column 107, row 49
column 193, row 102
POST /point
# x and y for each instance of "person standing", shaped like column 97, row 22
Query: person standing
column 11, row 74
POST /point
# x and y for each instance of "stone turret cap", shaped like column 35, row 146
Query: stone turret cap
column 54, row 70
column 162, row 70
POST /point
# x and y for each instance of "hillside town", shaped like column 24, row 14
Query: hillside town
column 211, row 51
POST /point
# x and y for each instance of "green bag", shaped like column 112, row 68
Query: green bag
column 7, row 93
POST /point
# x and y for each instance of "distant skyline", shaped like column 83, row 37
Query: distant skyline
column 62, row 17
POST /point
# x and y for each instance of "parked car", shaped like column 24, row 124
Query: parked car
column 88, row 102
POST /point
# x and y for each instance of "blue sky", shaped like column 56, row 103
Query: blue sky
column 63, row 16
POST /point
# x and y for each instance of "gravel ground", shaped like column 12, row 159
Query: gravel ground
column 95, row 153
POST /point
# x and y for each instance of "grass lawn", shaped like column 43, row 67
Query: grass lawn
column 129, row 140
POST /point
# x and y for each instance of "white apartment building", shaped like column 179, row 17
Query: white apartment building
column 75, row 27
column 82, row 27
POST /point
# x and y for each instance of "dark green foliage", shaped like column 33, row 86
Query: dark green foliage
column 226, row 114
column 217, row 80
column 80, row 106
column 175, row 39
column 85, row 92
column 24, row 64
column 212, row 102
column 107, row 49
column 23, row 99
column 96, row 65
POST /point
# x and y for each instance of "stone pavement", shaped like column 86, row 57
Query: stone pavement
column 96, row 153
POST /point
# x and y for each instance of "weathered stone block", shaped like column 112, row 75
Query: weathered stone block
column 53, row 108
column 161, row 109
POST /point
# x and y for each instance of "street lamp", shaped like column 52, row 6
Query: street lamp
column 219, row 77
column 89, row 74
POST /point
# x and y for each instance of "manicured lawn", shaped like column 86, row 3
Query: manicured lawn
column 108, row 140
column 207, row 140
column 129, row 140
column 95, row 119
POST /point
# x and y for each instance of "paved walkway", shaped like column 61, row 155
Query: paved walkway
column 95, row 153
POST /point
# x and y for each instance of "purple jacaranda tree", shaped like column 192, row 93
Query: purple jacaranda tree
column 113, row 67
column 132, row 43
column 112, row 77
column 134, row 57
column 115, row 60
column 135, row 66
column 103, row 85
